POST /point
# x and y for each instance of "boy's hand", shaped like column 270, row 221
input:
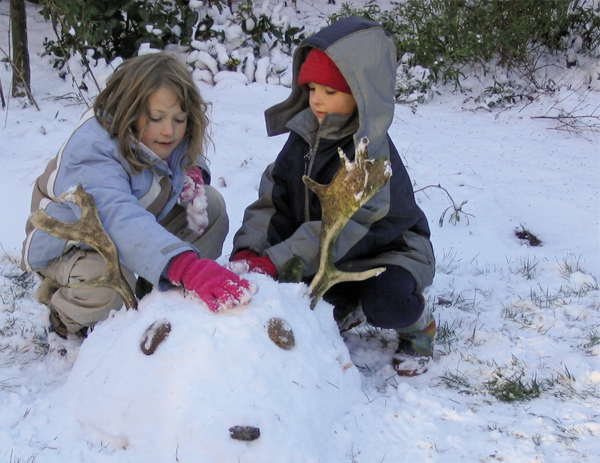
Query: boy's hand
column 216, row 286
column 256, row 263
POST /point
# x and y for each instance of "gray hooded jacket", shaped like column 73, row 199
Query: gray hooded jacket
column 285, row 221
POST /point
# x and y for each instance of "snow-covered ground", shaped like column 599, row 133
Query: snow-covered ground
column 516, row 376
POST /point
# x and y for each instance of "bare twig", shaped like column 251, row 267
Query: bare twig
column 583, row 117
column 2, row 96
column 60, row 18
column 20, row 75
column 456, row 209
column 573, row 123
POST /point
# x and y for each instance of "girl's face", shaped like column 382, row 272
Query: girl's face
column 165, row 127
column 325, row 100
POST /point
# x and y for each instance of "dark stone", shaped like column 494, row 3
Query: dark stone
column 247, row 433
column 154, row 335
column 281, row 333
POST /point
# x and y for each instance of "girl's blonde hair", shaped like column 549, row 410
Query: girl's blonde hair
column 125, row 99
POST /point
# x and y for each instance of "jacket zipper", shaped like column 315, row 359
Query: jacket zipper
column 308, row 157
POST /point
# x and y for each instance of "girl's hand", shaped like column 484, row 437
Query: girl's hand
column 212, row 283
column 192, row 183
column 193, row 198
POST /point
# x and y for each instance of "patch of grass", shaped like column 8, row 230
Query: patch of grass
column 545, row 299
column 562, row 385
column 5, row 385
column 20, row 284
column 457, row 300
column 570, row 265
column 518, row 312
column 446, row 334
column 513, row 387
column 21, row 340
column 16, row 459
column 568, row 435
column 527, row 267
column 9, row 327
column 510, row 383
column 456, row 380
column 593, row 337
column 448, row 263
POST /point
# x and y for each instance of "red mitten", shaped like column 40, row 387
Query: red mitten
column 216, row 286
column 263, row 265
column 244, row 254
column 256, row 263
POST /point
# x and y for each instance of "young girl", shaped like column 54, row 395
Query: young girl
column 140, row 153
column 343, row 90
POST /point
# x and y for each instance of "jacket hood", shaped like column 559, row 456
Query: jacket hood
column 365, row 54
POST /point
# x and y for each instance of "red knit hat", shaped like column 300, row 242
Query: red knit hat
column 319, row 69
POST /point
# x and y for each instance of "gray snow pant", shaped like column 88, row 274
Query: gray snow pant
column 83, row 307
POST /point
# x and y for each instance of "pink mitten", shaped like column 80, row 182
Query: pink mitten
column 216, row 286
column 193, row 198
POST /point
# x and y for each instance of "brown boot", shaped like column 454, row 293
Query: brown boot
column 56, row 325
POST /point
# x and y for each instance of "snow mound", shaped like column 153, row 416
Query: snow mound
column 214, row 372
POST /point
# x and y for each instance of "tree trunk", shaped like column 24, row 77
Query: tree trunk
column 20, row 55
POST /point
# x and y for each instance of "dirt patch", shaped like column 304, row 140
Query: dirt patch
column 529, row 238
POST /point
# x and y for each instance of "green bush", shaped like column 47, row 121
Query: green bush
column 446, row 36
column 110, row 28
column 114, row 28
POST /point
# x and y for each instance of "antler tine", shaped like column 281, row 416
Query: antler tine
column 88, row 230
column 352, row 186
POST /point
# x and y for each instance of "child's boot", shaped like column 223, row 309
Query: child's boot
column 349, row 317
column 415, row 346
column 56, row 325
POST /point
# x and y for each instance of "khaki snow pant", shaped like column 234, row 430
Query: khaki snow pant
column 83, row 307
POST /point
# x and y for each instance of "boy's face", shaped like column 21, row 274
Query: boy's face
column 325, row 100
column 165, row 126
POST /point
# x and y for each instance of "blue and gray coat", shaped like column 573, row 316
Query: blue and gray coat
column 130, row 206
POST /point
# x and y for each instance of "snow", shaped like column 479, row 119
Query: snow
column 265, row 386
column 507, row 312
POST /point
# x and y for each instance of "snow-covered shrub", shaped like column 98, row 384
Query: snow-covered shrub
column 254, row 41
column 497, row 96
column 413, row 83
column 446, row 39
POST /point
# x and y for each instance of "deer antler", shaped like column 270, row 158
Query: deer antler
column 352, row 186
column 88, row 230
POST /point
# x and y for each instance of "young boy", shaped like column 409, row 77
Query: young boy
column 343, row 90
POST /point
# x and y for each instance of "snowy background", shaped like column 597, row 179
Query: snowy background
column 516, row 376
